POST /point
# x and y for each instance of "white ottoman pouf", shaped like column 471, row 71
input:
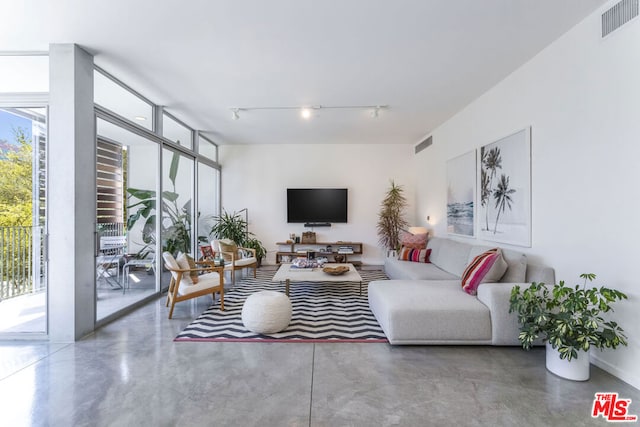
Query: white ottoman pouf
column 266, row 312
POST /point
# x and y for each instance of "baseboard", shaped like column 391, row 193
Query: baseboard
column 620, row 374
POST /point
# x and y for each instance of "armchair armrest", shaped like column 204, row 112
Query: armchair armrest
column 210, row 268
column 234, row 255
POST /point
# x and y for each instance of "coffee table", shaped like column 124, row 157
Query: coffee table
column 287, row 274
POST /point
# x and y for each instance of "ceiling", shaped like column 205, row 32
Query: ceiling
column 426, row 59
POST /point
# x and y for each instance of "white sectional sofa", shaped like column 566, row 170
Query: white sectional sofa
column 424, row 303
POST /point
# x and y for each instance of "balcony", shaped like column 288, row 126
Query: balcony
column 23, row 298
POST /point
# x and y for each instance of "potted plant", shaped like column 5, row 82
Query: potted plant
column 175, row 221
column 235, row 227
column 256, row 244
column 230, row 226
column 391, row 219
column 569, row 320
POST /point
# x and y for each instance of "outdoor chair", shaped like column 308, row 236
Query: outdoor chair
column 149, row 263
column 112, row 249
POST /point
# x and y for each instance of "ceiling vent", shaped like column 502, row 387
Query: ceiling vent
column 621, row 13
column 424, row 144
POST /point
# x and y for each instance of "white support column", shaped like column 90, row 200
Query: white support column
column 72, row 194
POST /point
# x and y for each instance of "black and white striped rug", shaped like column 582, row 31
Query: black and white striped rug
column 322, row 312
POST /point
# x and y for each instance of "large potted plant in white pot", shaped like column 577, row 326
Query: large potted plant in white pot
column 569, row 320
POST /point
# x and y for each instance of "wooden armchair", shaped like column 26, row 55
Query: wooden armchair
column 236, row 257
column 182, row 287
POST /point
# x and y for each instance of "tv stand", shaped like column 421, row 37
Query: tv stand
column 317, row 224
column 294, row 250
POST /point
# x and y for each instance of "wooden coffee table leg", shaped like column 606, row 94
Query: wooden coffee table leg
column 286, row 287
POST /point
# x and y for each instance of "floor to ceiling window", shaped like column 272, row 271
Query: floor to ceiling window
column 125, row 216
column 208, row 198
column 134, row 224
column 23, row 179
column 177, row 203
column 143, row 151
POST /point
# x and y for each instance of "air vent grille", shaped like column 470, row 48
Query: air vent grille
column 424, row 144
column 618, row 15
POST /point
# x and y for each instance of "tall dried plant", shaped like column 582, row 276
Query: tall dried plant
column 391, row 220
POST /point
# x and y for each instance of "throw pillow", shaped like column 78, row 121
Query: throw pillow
column 415, row 255
column 192, row 265
column 183, row 263
column 478, row 269
column 207, row 253
column 414, row 241
column 497, row 269
column 228, row 245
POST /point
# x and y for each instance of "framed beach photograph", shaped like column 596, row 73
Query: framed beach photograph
column 461, row 190
column 504, row 190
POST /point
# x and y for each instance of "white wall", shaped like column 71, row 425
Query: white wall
column 581, row 96
column 257, row 176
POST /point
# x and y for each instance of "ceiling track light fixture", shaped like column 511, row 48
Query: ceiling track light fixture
column 306, row 111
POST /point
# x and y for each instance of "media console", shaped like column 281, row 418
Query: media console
column 338, row 248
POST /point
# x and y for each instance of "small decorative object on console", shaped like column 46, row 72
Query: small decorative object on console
column 322, row 260
column 336, row 271
column 309, row 237
column 305, row 263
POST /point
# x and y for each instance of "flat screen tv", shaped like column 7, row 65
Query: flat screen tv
column 317, row 205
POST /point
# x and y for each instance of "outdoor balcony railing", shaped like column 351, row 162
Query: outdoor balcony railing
column 19, row 274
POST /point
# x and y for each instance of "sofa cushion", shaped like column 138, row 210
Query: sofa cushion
column 206, row 281
column 451, row 256
column 397, row 269
column 414, row 241
column 497, row 270
column 478, row 268
column 516, row 263
column 414, row 255
column 517, row 271
column 429, row 312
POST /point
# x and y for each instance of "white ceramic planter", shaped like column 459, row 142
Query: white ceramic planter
column 576, row 369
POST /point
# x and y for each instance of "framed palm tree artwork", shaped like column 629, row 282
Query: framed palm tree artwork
column 504, row 190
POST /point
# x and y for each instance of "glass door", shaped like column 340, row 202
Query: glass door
column 126, row 188
column 177, row 203
column 23, row 282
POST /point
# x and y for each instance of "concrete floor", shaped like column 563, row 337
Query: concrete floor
column 131, row 373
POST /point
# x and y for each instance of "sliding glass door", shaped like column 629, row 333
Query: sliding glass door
column 177, row 203
column 126, row 190
column 23, row 281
